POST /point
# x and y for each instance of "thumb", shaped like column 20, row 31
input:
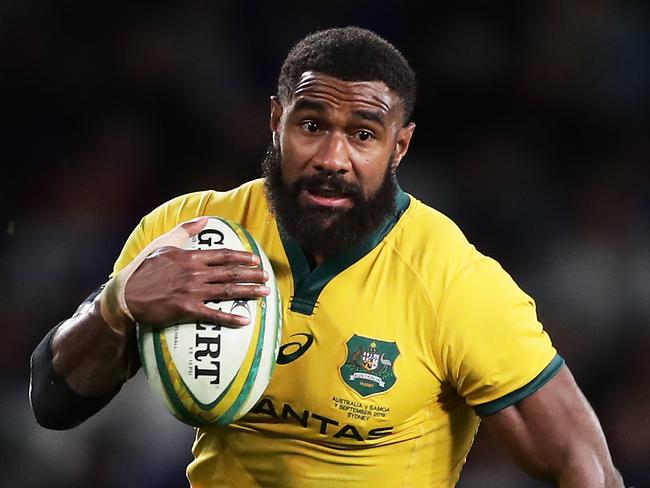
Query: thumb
column 193, row 227
column 178, row 236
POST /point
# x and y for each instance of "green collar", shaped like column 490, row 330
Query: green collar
column 308, row 284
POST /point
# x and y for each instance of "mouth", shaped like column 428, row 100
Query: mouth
column 326, row 197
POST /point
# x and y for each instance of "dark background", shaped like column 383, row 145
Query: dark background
column 532, row 134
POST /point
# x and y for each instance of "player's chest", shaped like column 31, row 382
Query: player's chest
column 358, row 368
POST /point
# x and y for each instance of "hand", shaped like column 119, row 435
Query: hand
column 165, row 284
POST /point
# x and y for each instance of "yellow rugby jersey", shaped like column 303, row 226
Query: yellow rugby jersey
column 390, row 353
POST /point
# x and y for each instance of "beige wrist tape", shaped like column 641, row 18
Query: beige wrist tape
column 112, row 299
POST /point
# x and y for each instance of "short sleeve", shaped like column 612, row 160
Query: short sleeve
column 161, row 220
column 492, row 347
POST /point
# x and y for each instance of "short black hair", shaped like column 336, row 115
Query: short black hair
column 350, row 54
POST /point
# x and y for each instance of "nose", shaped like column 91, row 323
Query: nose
column 333, row 155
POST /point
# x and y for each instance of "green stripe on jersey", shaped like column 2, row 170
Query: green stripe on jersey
column 308, row 284
column 511, row 398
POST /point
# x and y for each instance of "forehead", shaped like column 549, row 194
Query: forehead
column 340, row 94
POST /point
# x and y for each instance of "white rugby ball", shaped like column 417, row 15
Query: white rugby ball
column 207, row 373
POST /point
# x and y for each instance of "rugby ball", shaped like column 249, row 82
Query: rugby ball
column 206, row 373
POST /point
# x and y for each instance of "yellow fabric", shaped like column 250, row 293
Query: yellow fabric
column 464, row 332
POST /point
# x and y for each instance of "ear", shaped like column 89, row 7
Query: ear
column 276, row 116
column 402, row 143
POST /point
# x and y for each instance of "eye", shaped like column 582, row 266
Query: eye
column 364, row 135
column 310, row 126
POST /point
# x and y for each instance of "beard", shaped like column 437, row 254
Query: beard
column 325, row 229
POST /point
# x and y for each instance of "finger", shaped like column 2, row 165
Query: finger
column 206, row 314
column 232, row 291
column 234, row 274
column 215, row 257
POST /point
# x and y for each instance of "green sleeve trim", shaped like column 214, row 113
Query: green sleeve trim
column 511, row 398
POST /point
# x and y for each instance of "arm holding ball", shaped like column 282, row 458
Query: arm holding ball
column 81, row 365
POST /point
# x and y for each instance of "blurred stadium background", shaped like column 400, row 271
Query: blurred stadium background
column 532, row 134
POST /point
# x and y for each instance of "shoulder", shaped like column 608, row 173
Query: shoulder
column 449, row 263
column 432, row 244
column 486, row 337
column 427, row 251
column 245, row 204
column 236, row 204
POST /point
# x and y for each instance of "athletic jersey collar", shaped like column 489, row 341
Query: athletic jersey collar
column 308, row 283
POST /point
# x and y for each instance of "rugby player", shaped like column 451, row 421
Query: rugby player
column 401, row 338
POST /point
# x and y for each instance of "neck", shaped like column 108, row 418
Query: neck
column 314, row 258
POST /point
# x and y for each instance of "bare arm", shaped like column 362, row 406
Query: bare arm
column 90, row 352
column 90, row 356
column 554, row 435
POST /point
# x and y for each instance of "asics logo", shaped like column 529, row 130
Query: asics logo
column 291, row 351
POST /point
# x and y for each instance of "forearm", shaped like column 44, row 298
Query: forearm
column 90, row 350
column 566, row 466
column 575, row 463
column 583, row 471
column 78, row 367
column 89, row 355
column 583, row 460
